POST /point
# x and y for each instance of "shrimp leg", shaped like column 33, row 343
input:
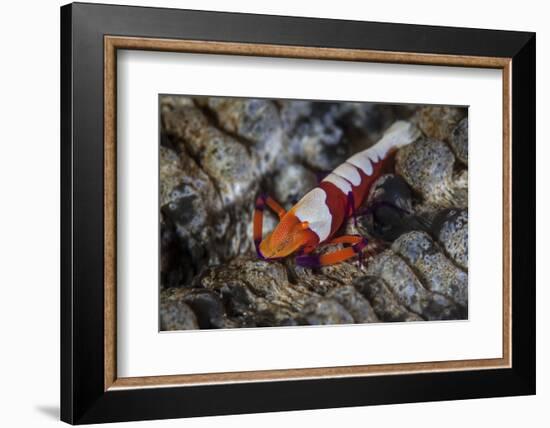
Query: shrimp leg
column 261, row 202
column 358, row 243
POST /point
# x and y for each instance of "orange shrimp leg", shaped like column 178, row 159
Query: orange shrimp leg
column 261, row 202
column 344, row 239
column 358, row 244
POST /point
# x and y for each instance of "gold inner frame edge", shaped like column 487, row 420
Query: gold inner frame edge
column 113, row 43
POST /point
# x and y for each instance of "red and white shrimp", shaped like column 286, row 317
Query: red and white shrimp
column 316, row 218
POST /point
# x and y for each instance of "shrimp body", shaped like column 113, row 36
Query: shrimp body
column 315, row 219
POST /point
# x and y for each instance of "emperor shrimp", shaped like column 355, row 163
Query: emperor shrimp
column 316, row 218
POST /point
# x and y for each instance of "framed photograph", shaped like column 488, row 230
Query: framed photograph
column 265, row 213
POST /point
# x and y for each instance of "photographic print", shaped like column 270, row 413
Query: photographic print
column 277, row 212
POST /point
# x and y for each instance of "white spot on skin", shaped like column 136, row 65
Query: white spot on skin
column 373, row 154
column 313, row 209
column 349, row 172
column 361, row 160
column 339, row 182
column 398, row 135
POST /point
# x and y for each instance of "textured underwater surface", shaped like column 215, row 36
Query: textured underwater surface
column 218, row 154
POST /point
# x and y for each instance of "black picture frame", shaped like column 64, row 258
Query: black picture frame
column 83, row 398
